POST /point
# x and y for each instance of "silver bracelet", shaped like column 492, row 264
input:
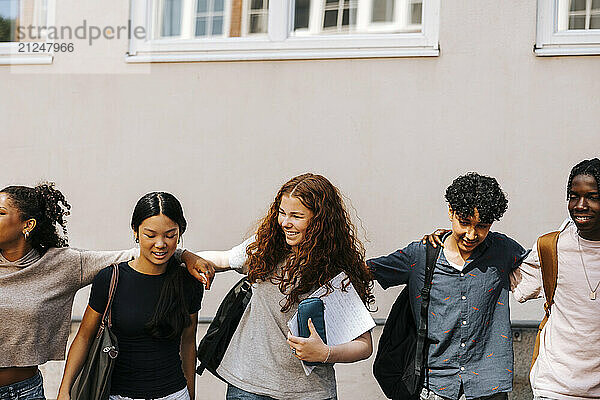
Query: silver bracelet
column 328, row 354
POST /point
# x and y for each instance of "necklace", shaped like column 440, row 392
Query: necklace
column 592, row 291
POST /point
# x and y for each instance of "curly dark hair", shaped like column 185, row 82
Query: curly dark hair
column 473, row 191
column 48, row 206
column 330, row 245
column 586, row 167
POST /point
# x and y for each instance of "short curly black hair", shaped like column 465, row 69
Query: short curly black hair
column 473, row 191
column 586, row 167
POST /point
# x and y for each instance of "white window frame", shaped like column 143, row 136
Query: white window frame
column 211, row 15
column 341, row 6
column 551, row 42
column 246, row 12
column 9, row 51
column 280, row 44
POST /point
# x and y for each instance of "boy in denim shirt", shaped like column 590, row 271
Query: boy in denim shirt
column 470, row 353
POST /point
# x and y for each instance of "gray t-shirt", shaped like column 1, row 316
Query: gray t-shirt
column 258, row 359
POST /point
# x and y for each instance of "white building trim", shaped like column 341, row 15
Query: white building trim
column 10, row 53
column 553, row 38
column 280, row 44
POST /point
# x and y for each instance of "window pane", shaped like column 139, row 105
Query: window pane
column 202, row 6
column 256, row 4
column 9, row 11
column 301, row 14
column 595, row 22
column 349, row 17
column 219, row 5
column 330, row 19
column 201, row 26
column 383, row 11
column 416, row 13
column 25, row 13
column 217, row 26
column 577, row 22
column 258, row 23
column 595, row 4
column 171, row 18
column 577, row 5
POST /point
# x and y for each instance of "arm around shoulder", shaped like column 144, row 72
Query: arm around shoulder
column 394, row 269
column 93, row 261
column 526, row 279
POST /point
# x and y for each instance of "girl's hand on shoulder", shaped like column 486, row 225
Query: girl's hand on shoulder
column 201, row 269
column 311, row 348
column 435, row 238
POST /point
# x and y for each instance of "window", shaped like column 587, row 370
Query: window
column 357, row 17
column 16, row 41
column 568, row 27
column 210, row 17
column 256, row 17
column 203, row 30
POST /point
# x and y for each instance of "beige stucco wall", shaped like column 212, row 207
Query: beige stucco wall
column 391, row 133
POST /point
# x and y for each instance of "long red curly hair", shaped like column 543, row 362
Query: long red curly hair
column 330, row 245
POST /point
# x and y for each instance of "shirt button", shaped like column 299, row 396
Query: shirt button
column 464, row 297
column 464, row 322
column 461, row 274
column 462, row 345
column 462, row 368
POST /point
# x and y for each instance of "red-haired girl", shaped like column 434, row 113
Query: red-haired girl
column 305, row 240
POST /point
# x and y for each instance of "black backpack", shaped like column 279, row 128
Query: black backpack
column 213, row 345
column 401, row 361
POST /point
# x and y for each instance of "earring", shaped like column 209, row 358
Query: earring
column 26, row 234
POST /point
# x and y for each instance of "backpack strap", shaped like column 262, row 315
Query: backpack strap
column 548, row 256
column 547, row 247
column 431, row 255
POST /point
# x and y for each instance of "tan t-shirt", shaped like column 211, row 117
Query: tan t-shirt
column 258, row 359
column 568, row 365
column 36, row 296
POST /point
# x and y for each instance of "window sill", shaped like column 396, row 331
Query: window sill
column 26, row 59
column 567, row 50
column 283, row 54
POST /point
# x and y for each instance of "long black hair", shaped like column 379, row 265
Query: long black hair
column 48, row 206
column 171, row 315
column 585, row 167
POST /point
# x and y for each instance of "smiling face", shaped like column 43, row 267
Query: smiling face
column 293, row 219
column 584, row 206
column 468, row 232
column 158, row 237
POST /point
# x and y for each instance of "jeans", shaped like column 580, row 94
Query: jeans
column 428, row 395
column 28, row 389
column 182, row 394
column 234, row 393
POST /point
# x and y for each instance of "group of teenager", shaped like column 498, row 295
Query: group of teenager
column 305, row 240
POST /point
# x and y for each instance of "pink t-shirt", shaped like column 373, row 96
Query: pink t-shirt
column 568, row 365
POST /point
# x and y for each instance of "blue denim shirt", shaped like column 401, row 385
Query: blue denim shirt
column 469, row 317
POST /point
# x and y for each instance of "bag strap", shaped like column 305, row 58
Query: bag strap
column 431, row 255
column 548, row 256
column 106, row 317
